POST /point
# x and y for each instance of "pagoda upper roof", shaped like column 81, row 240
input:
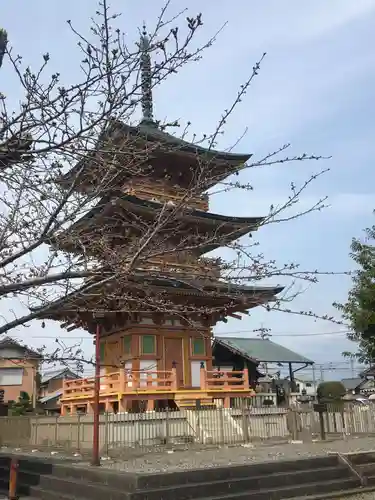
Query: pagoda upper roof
column 160, row 154
column 94, row 298
column 15, row 150
column 226, row 228
column 150, row 132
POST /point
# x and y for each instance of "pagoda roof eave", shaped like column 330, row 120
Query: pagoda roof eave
column 150, row 132
column 230, row 227
column 116, row 199
column 187, row 287
column 147, row 132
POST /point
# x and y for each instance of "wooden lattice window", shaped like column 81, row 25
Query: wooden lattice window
column 148, row 344
column 198, row 347
column 127, row 343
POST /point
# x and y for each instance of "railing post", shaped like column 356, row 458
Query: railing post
column 13, row 478
column 135, row 380
column 246, row 382
column 203, row 379
column 226, row 381
column 122, row 381
column 174, row 379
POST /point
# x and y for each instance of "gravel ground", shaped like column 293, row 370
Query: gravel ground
column 193, row 459
column 170, row 461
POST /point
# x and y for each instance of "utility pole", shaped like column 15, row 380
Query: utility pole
column 315, row 385
column 352, row 367
column 96, row 426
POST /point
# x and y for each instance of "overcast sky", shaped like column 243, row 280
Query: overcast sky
column 315, row 90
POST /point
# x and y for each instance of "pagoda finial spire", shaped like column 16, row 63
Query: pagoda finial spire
column 146, row 78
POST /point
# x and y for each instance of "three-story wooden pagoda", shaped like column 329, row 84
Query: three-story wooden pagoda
column 155, row 321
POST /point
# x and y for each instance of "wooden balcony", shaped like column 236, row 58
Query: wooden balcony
column 124, row 386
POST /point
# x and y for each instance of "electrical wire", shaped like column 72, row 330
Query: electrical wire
column 219, row 334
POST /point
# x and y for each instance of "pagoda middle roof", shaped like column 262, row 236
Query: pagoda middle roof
column 116, row 198
column 233, row 227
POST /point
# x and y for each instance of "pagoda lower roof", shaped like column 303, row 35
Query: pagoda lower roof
column 129, row 208
column 198, row 296
column 180, row 157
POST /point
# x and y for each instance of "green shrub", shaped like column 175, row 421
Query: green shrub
column 330, row 392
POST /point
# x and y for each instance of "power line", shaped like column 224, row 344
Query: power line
column 272, row 335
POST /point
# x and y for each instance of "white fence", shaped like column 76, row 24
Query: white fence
column 188, row 428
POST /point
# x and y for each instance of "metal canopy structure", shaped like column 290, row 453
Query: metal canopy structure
column 258, row 350
column 262, row 351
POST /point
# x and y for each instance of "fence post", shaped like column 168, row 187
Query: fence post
column 334, row 422
column 328, row 420
column 197, row 417
column 291, row 423
column 34, row 435
column 79, row 433
column 167, row 429
column 221, row 425
column 245, row 426
column 13, row 478
column 106, row 440
column 352, row 426
column 343, row 422
column 56, row 430
column 321, row 423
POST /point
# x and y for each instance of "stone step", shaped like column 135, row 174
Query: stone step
column 159, row 480
column 296, row 491
column 248, row 485
column 63, row 489
column 340, row 494
column 361, row 458
column 365, row 469
column 46, row 480
column 49, row 495
column 124, row 481
column 55, row 488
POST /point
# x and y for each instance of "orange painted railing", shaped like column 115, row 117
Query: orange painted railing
column 224, row 381
column 131, row 381
column 148, row 380
column 121, row 382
